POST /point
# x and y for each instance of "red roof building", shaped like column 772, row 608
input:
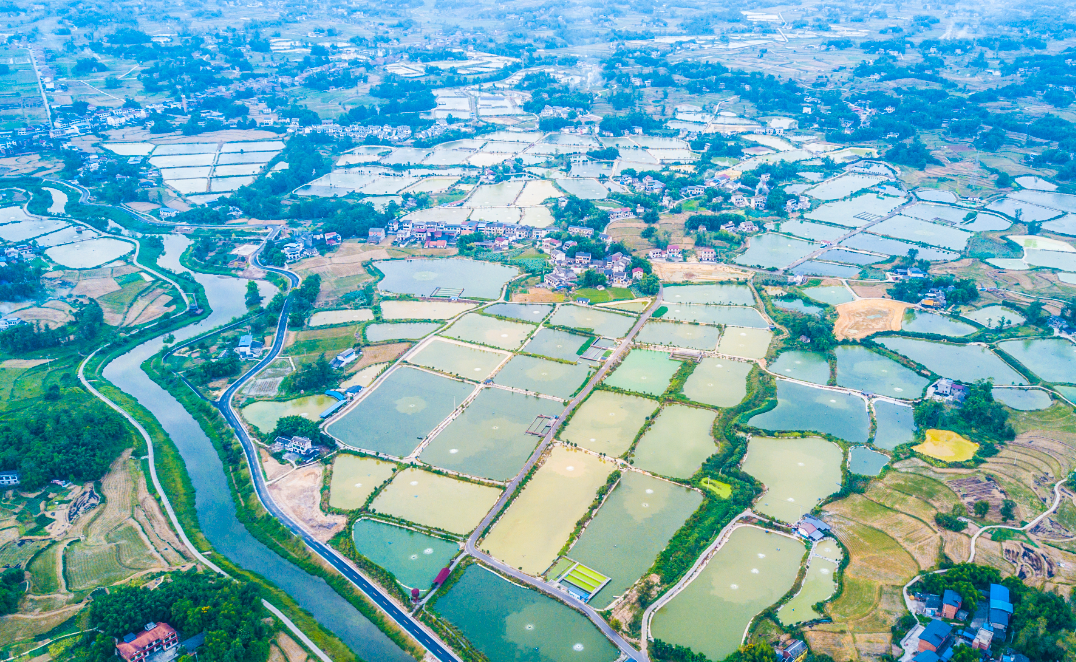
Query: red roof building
column 156, row 637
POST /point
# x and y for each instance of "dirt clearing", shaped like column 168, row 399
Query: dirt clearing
column 696, row 272
column 862, row 317
column 299, row 493
column 95, row 287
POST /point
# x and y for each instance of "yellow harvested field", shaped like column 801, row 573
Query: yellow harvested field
column 538, row 523
column 862, row 317
column 696, row 272
column 22, row 363
column 95, row 287
column 947, row 446
column 49, row 317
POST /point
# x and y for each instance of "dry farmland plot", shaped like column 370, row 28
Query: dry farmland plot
column 863, row 317
column 914, row 535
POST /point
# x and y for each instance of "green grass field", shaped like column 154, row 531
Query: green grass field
column 716, row 487
column 603, row 296
column 44, row 573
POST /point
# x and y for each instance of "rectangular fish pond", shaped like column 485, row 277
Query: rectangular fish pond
column 942, row 325
column 561, row 380
column 355, row 478
column 804, row 366
column 491, row 331
column 608, row 422
column 526, row 312
column 730, row 294
column 673, row 334
column 431, row 499
column 745, row 343
column 863, row 370
column 467, row 361
column 965, row 363
column 600, row 322
column 382, row 332
column 775, row 250
column 557, row 344
column 810, row 409
column 718, row 382
column 734, row 315
column 444, row 277
column 1052, row 359
column 414, row 558
column 644, row 371
column 677, row 442
column 798, row 473
column 894, row 425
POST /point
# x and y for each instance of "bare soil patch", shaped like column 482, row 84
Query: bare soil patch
column 537, row 295
column 299, row 493
column 862, row 317
column 693, row 272
column 49, row 317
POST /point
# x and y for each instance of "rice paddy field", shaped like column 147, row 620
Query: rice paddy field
column 608, row 422
column 354, row 479
column 437, row 501
column 677, row 442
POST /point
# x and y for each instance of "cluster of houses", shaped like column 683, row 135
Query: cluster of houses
column 443, row 235
column 23, row 252
column 938, row 639
column 671, row 253
column 567, row 270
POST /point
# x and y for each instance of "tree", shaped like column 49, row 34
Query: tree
column 649, row 285
column 1008, row 509
column 253, row 296
column 311, row 376
column 591, row 278
column 11, row 582
column 981, row 508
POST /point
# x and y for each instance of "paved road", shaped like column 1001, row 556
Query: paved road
column 510, row 489
column 403, row 619
column 1027, row 527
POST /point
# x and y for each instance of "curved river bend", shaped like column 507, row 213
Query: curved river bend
column 213, row 501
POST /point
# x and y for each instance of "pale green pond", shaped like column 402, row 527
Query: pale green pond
column 734, row 315
column 490, row 331
column 381, row 332
column 423, row 278
column 718, row 382
column 810, row 409
column 895, row 425
column 675, row 334
column 607, row 422
column 752, row 570
column 775, row 250
column 745, row 343
column 264, row 414
column 832, row 294
column 561, row 380
column 863, row 370
column 965, row 363
column 798, row 306
column 556, row 344
column 505, row 621
column 600, row 322
column 818, row 585
column 864, row 461
column 992, row 317
column 677, row 442
column 354, row 478
column 528, row 312
column 732, row 294
column 805, row 366
column 797, row 472
column 1052, row 359
column 413, row 558
column 631, row 528
column 644, row 371
column 1023, row 399
column 489, row 439
column 400, row 412
column 465, row 361
column 922, row 322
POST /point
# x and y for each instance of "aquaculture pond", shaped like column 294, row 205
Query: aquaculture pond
column 394, row 417
column 751, row 571
column 265, row 413
column 810, row 409
column 633, row 526
column 735, row 315
column 1023, row 399
column 745, row 343
column 607, row 422
column 864, row 461
column 732, row 294
column 863, row 370
column 414, row 558
column 355, row 478
column 531, row 532
column 400, row 331
column 674, row 334
column 644, row 371
column 942, row 325
column 819, row 584
column 925, row 232
column 489, row 439
column 797, row 472
column 423, row 310
column 431, row 499
column 775, row 250
column 490, row 331
column 467, row 361
column 965, row 363
column 557, row 344
column 677, row 442
column 798, row 306
column 894, row 424
column 827, row 269
column 834, row 295
column 561, row 380
column 805, row 366
column 718, row 382
column 528, row 312
column 872, row 242
column 445, row 277
column 1052, row 359
column 89, row 254
column 601, row 322
column 995, row 317
column 505, row 621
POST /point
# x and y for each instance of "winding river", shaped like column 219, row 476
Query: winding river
column 213, row 501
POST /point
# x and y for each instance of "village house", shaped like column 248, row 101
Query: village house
column 9, row 478
column 706, row 254
column 345, row 357
column 155, row 637
column 934, row 636
column 299, row 446
column 951, row 602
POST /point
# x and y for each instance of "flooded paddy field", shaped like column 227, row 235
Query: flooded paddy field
column 600, row 322
column 863, row 370
column 557, row 344
column 644, row 371
column 400, row 412
column 459, row 276
column 810, row 409
column 775, row 250
column 505, row 621
column 414, row 558
column 1023, row 399
column 488, row 330
column 965, row 363
column 797, row 473
column 718, row 382
column 729, row 294
column 539, row 521
column 995, row 317
column 922, row 322
column 527, row 312
column 607, row 422
column 489, row 439
column 819, row 584
column 745, row 343
column 864, row 461
column 465, row 361
column 726, row 315
column 895, row 425
column 561, row 380
column 751, row 571
column 677, row 443
column 834, row 295
column 264, row 414
column 433, row 500
column 1052, row 359
column 672, row 334
column 423, row 310
column 382, row 332
column 632, row 527
column 804, row 366
column 355, row 478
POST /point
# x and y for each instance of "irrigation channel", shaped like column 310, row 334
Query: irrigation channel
column 215, row 508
